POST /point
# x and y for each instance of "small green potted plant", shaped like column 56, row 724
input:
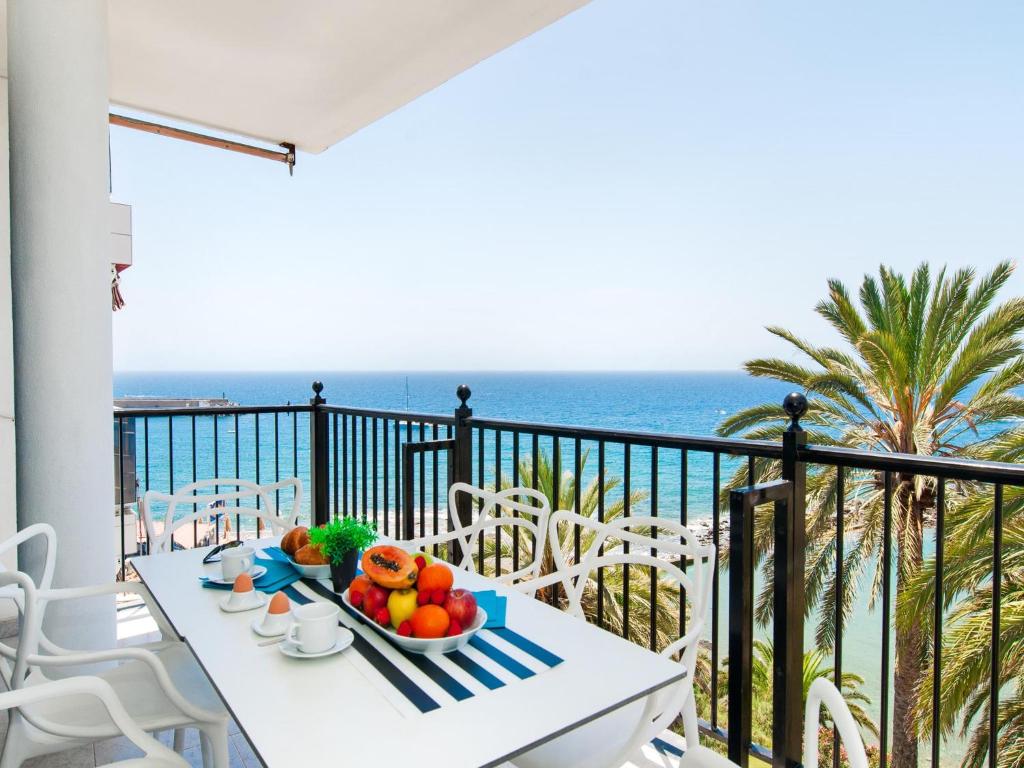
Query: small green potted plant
column 341, row 541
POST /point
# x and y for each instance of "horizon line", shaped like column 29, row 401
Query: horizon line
column 402, row 371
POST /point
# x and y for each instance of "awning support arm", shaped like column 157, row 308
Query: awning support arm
column 287, row 157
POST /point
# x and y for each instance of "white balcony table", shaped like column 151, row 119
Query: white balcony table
column 342, row 707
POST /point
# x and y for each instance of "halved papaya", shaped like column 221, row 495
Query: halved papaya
column 390, row 567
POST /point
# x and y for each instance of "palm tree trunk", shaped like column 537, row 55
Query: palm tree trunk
column 909, row 640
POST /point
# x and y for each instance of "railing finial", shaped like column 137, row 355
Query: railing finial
column 463, row 393
column 795, row 405
column 318, row 387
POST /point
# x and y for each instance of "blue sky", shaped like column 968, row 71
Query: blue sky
column 643, row 185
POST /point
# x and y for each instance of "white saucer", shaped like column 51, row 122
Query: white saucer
column 256, row 572
column 345, row 638
column 259, row 602
column 257, row 627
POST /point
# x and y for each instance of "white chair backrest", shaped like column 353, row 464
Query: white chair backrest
column 190, row 496
column 644, row 535
column 823, row 692
column 524, row 510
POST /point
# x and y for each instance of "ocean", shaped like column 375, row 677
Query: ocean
column 683, row 403
column 676, row 403
column 689, row 403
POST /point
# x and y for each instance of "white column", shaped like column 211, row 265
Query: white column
column 57, row 66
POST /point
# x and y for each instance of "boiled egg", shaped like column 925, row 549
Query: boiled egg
column 243, row 583
column 279, row 603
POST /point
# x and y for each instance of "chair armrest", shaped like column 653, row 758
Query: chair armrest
column 100, row 689
column 690, row 640
column 85, row 658
column 96, row 590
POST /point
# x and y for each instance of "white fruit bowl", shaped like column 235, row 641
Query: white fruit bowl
column 419, row 644
column 311, row 571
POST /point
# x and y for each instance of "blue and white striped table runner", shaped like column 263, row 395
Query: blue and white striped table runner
column 417, row 683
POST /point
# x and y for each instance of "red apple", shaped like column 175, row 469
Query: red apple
column 374, row 599
column 461, row 606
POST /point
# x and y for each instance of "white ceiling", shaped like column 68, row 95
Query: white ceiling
column 308, row 72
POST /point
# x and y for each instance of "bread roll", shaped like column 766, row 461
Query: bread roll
column 295, row 540
column 310, row 555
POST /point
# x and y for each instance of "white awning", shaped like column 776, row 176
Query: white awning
column 306, row 72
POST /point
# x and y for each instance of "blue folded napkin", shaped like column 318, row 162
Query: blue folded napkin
column 494, row 604
column 278, row 576
column 275, row 553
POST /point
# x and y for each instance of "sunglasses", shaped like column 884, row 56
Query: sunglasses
column 214, row 554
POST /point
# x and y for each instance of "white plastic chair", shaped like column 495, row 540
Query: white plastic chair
column 161, row 540
column 821, row 691
column 502, row 509
column 162, row 692
column 617, row 737
column 78, row 689
column 44, row 531
column 44, row 592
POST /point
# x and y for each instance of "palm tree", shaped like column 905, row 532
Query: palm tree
column 925, row 365
column 967, row 601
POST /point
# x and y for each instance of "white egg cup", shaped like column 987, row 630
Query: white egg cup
column 272, row 624
column 236, row 602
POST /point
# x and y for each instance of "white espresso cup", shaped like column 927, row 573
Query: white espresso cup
column 314, row 627
column 236, row 561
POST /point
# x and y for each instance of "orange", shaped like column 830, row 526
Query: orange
column 435, row 577
column 430, row 621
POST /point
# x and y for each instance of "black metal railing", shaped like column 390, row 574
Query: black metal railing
column 395, row 468
column 410, row 453
column 939, row 471
column 366, row 465
column 172, row 447
column 742, row 504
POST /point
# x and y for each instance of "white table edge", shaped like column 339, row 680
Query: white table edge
column 584, row 721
